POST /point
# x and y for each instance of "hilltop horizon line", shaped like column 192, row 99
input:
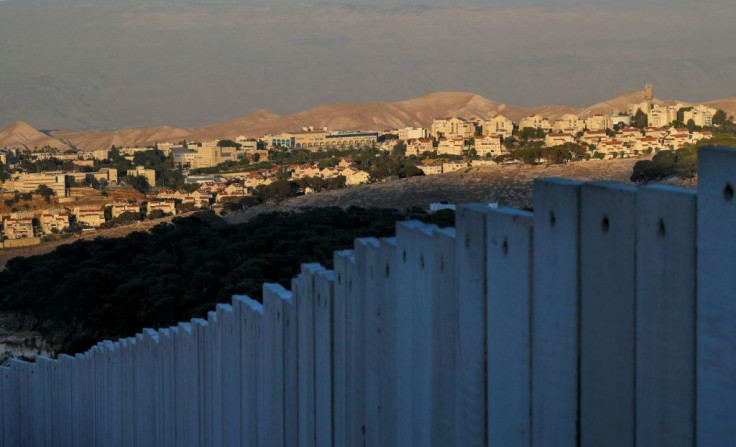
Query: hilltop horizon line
column 379, row 115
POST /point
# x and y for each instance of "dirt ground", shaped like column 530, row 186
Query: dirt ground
column 509, row 185
column 89, row 196
column 82, row 196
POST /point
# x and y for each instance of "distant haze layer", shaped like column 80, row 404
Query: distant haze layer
column 127, row 65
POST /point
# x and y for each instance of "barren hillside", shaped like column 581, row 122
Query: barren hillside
column 510, row 186
column 376, row 116
column 24, row 136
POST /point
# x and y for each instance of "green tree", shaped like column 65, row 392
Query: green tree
column 640, row 119
column 45, row 192
column 719, row 118
column 229, row 143
column 156, row 214
column 139, row 183
column 681, row 113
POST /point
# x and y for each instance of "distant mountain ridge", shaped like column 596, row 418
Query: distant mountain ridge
column 416, row 112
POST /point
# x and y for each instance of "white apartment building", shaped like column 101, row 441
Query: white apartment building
column 29, row 182
column 51, row 220
column 89, row 215
column 660, row 116
column 598, row 122
column 568, row 123
column 499, row 125
column 453, row 128
column 489, row 145
column 701, row 115
column 454, row 146
column 535, row 122
column 413, row 133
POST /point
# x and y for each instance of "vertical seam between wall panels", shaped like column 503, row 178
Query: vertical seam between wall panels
column 484, row 244
column 635, row 215
column 530, row 314
column 579, row 304
column 694, row 416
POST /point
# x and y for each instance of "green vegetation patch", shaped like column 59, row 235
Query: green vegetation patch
column 681, row 162
column 89, row 291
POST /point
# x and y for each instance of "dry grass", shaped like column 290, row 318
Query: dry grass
column 509, row 186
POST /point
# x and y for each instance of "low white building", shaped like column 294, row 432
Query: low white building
column 413, row 133
column 489, row 145
column 454, row 146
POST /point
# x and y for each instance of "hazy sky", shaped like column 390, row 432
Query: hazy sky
column 120, row 64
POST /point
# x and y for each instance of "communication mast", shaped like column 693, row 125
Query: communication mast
column 649, row 93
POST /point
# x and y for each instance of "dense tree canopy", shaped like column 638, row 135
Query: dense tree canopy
column 681, row 162
column 640, row 119
column 109, row 288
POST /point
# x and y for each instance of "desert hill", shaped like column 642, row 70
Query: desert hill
column 88, row 141
column 24, row 136
column 375, row 115
column 621, row 103
column 728, row 105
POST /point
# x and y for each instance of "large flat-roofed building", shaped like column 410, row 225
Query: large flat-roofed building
column 320, row 139
column 210, row 155
column 355, row 138
column 183, row 157
column 30, row 182
column 413, row 133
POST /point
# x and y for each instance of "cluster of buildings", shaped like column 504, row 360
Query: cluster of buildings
column 595, row 133
column 603, row 135
column 31, row 225
column 631, row 141
column 457, row 135
column 23, row 228
column 190, row 155
column 662, row 116
column 608, row 135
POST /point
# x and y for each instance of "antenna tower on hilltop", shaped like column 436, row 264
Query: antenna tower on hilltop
column 649, row 93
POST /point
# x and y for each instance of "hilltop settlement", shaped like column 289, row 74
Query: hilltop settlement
column 50, row 193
